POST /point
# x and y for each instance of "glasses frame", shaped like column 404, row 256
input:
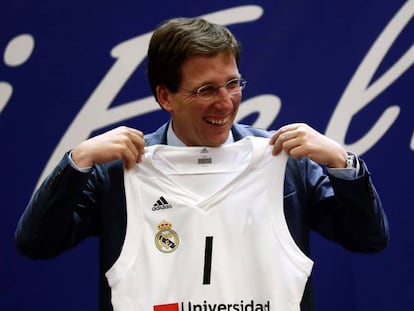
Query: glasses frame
column 199, row 91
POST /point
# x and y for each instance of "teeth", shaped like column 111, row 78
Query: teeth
column 217, row 122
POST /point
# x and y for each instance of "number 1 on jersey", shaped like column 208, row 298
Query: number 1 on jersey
column 207, row 260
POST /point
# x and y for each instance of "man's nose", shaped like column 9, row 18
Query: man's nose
column 223, row 98
column 223, row 92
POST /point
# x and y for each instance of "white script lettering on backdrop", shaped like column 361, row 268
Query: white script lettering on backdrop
column 17, row 52
column 96, row 114
column 360, row 92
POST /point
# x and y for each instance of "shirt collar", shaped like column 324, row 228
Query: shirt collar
column 173, row 140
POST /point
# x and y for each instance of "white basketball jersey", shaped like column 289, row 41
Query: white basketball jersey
column 206, row 232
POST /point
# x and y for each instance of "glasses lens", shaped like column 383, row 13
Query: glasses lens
column 235, row 86
column 206, row 91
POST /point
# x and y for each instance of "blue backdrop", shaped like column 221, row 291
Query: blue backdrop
column 73, row 69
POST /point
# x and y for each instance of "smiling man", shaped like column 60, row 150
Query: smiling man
column 193, row 70
column 204, row 109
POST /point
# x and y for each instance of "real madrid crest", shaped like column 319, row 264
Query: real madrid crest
column 166, row 239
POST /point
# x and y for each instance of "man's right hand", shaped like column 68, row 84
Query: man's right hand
column 120, row 143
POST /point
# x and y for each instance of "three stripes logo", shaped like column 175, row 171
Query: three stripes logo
column 161, row 203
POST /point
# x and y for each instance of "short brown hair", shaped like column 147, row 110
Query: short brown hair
column 175, row 40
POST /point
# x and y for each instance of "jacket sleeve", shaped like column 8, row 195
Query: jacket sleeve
column 348, row 212
column 60, row 213
column 352, row 215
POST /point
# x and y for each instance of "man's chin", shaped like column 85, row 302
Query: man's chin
column 216, row 141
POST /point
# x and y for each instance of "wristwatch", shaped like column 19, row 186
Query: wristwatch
column 350, row 160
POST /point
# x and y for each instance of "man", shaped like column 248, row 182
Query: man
column 193, row 73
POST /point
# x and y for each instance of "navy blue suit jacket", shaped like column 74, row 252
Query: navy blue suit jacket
column 70, row 206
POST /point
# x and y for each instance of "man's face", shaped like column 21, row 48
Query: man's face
column 196, row 121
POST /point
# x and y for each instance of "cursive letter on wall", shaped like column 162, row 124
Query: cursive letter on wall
column 359, row 93
column 96, row 114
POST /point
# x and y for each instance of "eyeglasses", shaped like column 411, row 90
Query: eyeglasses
column 233, row 87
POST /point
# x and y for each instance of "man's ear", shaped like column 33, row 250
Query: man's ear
column 163, row 96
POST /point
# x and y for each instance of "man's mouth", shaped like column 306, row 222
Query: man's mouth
column 216, row 121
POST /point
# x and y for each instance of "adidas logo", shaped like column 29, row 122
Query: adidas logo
column 205, row 159
column 161, row 203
